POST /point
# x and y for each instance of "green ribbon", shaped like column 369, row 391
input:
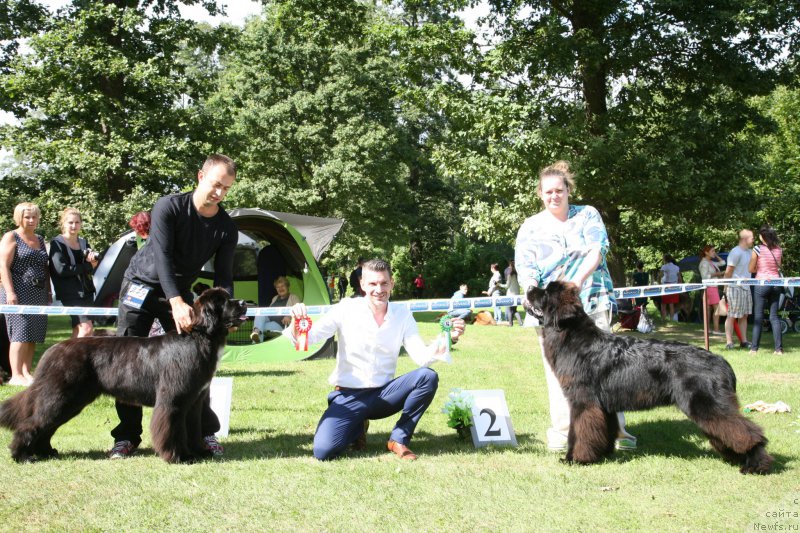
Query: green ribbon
column 446, row 323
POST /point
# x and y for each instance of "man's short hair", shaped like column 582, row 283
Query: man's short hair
column 219, row 159
column 378, row 265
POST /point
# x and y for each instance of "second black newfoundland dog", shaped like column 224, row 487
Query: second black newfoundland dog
column 602, row 374
column 171, row 373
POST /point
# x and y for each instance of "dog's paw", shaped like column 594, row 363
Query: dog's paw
column 47, row 454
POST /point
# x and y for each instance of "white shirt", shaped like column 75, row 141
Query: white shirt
column 670, row 273
column 739, row 259
column 367, row 354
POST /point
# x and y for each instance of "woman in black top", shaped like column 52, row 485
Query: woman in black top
column 71, row 265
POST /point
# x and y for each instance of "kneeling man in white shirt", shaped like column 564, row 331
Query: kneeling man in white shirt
column 371, row 332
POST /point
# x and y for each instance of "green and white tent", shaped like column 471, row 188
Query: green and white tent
column 277, row 244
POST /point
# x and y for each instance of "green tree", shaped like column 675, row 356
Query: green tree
column 778, row 187
column 107, row 102
column 648, row 99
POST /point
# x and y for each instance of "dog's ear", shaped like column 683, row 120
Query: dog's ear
column 208, row 309
column 563, row 302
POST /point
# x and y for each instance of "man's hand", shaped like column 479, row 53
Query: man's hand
column 299, row 310
column 182, row 313
column 458, row 328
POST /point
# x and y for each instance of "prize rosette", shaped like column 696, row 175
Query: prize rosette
column 301, row 328
column 446, row 323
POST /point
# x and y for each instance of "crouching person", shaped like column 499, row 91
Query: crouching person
column 371, row 332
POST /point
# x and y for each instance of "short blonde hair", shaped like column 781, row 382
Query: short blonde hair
column 19, row 211
column 281, row 280
column 559, row 169
column 65, row 213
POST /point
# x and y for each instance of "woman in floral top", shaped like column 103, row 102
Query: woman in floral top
column 567, row 243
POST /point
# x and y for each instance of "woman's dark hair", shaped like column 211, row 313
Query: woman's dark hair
column 771, row 239
column 669, row 259
column 639, row 265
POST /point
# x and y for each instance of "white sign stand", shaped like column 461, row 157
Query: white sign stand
column 491, row 421
column 221, row 392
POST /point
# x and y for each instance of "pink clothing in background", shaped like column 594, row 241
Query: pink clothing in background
column 767, row 266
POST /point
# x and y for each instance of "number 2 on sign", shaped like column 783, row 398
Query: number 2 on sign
column 492, row 422
column 492, row 418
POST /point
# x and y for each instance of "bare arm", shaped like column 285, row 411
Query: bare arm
column 8, row 247
column 728, row 272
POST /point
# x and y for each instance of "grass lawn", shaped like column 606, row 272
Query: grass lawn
column 268, row 479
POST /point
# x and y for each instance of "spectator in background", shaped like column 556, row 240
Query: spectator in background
column 355, row 279
column 495, row 284
column 72, row 263
column 640, row 279
column 512, row 289
column 710, row 267
column 25, row 281
column 140, row 224
column 765, row 263
column 342, row 285
column 419, row 286
column 740, row 300
column 331, row 286
column 670, row 275
column 283, row 298
column 460, row 294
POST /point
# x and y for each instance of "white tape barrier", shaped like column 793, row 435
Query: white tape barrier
column 420, row 306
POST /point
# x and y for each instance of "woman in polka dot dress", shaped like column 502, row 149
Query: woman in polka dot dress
column 25, row 281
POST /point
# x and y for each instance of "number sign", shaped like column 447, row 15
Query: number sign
column 491, row 422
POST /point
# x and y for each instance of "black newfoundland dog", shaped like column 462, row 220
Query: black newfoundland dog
column 602, row 374
column 171, row 373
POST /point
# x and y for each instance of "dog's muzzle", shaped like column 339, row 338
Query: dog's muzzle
column 531, row 310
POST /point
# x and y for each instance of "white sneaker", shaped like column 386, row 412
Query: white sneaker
column 626, row 443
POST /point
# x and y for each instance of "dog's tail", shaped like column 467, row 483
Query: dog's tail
column 15, row 410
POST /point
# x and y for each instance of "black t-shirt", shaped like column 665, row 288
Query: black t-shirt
column 181, row 241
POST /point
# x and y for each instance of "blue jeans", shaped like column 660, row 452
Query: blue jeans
column 766, row 297
column 343, row 421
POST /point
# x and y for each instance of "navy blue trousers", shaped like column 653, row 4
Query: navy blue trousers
column 343, row 421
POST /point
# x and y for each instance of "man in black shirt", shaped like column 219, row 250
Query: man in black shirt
column 186, row 231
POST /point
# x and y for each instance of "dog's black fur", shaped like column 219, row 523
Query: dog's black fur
column 171, row 373
column 602, row 374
